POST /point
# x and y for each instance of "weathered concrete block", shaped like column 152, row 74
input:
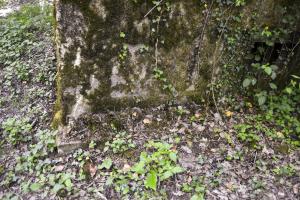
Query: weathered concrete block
column 102, row 68
column 113, row 54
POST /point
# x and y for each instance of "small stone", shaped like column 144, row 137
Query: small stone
column 147, row 121
column 270, row 196
column 296, row 188
column 281, row 194
column 245, row 176
column 186, row 149
column 229, row 185
column 178, row 193
column 126, row 168
column 182, row 130
column 197, row 115
column 82, row 193
column 217, row 117
column 211, row 124
column 59, row 168
column 199, row 128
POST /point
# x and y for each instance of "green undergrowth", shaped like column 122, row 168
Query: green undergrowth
column 19, row 41
column 17, row 130
column 36, row 169
column 2, row 3
column 120, row 143
column 27, row 73
column 157, row 164
column 278, row 119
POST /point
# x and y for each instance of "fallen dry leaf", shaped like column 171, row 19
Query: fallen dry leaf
column 197, row 115
column 90, row 169
column 59, row 168
column 228, row 113
column 147, row 121
column 134, row 114
column 126, row 168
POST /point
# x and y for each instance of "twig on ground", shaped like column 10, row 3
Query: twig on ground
column 153, row 8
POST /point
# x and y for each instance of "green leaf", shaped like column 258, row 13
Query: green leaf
column 57, row 187
column 107, row 163
column 274, row 67
column 246, row 82
column 109, row 181
column 270, row 43
column 173, row 156
column 166, row 175
column 273, row 86
column 197, row 197
column 122, row 35
column 139, row 167
column 273, row 75
column 268, row 70
column 68, row 183
column 257, row 58
column 261, row 99
column 200, row 189
column 296, row 77
column 35, row 187
column 151, row 180
column 289, row 90
column 177, row 170
column 254, row 81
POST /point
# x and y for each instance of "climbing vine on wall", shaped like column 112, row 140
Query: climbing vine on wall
column 260, row 63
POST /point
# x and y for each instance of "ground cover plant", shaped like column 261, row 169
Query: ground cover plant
column 245, row 147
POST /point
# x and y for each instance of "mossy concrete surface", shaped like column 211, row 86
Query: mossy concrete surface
column 100, row 68
column 93, row 77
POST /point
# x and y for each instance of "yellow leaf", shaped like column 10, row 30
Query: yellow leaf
column 228, row 113
column 280, row 135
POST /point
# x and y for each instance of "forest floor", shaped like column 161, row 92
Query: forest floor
column 166, row 152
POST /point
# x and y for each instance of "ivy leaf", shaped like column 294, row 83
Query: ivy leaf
column 139, row 167
column 289, row 90
column 257, row 58
column 173, row 156
column 274, row 75
column 35, row 187
column 268, row 70
column 197, row 197
column 109, row 181
column 107, row 163
column 122, row 35
column 68, row 184
column 274, row 67
column 57, row 187
column 151, row 180
column 166, row 175
column 270, row 43
column 261, row 99
column 177, row 170
column 246, row 82
column 254, row 81
column 273, row 86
